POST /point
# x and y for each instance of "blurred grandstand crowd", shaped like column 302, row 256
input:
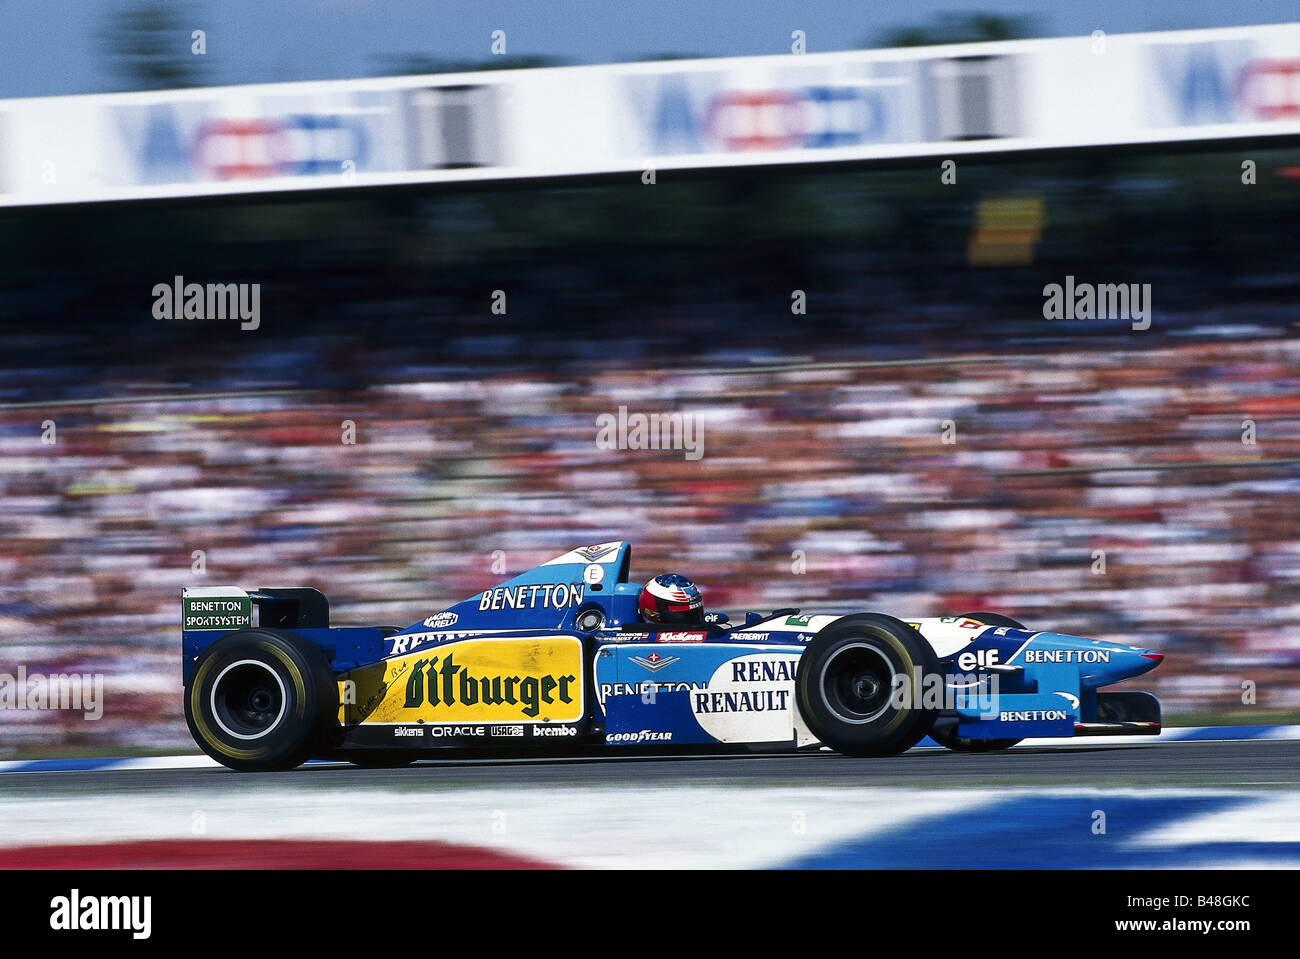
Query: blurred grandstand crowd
column 826, row 482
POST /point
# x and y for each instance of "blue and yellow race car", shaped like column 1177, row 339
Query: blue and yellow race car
column 561, row 656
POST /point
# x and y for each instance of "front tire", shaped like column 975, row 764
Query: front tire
column 261, row 699
column 856, row 685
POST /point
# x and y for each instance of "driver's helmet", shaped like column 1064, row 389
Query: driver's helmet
column 671, row 598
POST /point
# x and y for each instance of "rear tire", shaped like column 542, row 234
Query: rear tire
column 945, row 734
column 261, row 699
column 852, row 678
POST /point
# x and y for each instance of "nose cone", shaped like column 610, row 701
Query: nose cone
column 1100, row 662
column 1124, row 662
column 1149, row 659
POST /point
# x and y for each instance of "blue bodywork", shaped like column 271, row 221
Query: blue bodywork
column 650, row 685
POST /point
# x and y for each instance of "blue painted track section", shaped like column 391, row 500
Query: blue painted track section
column 1064, row 836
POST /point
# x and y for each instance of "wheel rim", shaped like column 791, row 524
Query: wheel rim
column 857, row 681
column 248, row 699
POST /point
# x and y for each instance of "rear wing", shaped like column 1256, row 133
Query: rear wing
column 210, row 612
column 225, row 608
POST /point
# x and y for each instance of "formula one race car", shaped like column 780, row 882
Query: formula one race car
column 559, row 655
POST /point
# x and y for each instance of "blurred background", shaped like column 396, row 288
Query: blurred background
column 825, row 481
column 97, row 46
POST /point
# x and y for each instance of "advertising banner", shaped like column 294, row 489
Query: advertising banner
column 573, row 121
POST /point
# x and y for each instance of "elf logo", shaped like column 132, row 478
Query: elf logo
column 978, row 659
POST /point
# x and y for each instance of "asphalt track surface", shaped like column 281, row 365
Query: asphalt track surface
column 1250, row 764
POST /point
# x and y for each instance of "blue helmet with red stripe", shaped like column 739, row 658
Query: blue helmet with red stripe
column 671, row 598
